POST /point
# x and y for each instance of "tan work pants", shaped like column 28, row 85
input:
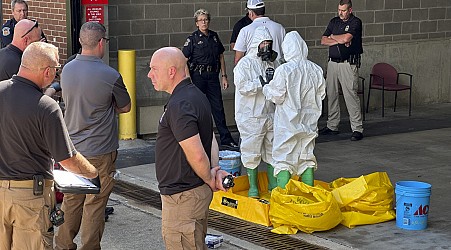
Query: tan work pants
column 347, row 76
column 86, row 212
column 25, row 222
column 184, row 218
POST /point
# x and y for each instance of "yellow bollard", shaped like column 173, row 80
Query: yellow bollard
column 127, row 68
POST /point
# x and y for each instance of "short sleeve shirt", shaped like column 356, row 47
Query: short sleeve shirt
column 91, row 90
column 243, row 22
column 32, row 131
column 10, row 59
column 203, row 49
column 186, row 114
column 276, row 30
column 338, row 27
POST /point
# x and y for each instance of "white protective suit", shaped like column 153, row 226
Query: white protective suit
column 297, row 89
column 253, row 113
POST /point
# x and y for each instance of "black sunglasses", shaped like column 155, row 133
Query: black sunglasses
column 105, row 38
column 34, row 26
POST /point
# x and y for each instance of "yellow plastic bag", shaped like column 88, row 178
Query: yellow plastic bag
column 302, row 207
column 364, row 200
column 236, row 203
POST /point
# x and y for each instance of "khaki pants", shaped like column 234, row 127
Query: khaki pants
column 25, row 222
column 184, row 218
column 347, row 76
column 86, row 212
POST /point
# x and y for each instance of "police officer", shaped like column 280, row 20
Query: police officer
column 19, row 9
column 344, row 38
column 205, row 56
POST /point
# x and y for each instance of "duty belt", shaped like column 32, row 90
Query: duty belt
column 338, row 60
column 23, row 184
column 207, row 68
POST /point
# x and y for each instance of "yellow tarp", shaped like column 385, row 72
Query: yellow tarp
column 236, row 203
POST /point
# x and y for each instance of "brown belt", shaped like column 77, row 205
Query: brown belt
column 23, row 184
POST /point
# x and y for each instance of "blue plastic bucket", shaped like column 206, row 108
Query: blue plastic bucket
column 230, row 161
column 412, row 204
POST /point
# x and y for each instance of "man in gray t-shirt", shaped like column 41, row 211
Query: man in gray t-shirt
column 93, row 93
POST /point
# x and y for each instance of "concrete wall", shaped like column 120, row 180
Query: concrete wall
column 413, row 35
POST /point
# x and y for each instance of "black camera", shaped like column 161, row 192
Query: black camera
column 227, row 182
column 57, row 217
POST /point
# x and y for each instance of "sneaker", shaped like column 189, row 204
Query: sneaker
column 231, row 146
column 356, row 136
column 328, row 131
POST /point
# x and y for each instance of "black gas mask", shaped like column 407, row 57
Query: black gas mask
column 266, row 52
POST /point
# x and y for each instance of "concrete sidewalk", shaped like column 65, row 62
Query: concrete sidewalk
column 407, row 148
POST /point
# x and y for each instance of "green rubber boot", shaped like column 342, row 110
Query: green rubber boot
column 307, row 177
column 282, row 178
column 252, row 174
column 272, row 181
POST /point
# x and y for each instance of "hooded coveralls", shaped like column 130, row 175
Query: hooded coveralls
column 297, row 89
column 253, row 113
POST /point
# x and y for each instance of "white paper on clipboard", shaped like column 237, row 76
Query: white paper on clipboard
column 71, row 183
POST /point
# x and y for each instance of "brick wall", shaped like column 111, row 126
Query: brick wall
column 146, row 25
column 51, row 15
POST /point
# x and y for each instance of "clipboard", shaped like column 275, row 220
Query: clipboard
column 68, row 182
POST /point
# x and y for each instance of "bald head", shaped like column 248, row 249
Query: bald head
column 167, row 68
column 26, row 32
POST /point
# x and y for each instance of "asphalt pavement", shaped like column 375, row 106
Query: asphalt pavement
column 407, row 148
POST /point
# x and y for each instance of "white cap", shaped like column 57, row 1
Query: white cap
column 255, row 4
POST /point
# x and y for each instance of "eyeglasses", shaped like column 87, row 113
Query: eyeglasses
column 34, row 26
column 57, row 67
column 203, row 20
column 107, row 40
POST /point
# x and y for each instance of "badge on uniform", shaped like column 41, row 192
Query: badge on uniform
column 347, row 28
column 200, row 42
column 216, row 40
column 6, row 31
column 187, row 42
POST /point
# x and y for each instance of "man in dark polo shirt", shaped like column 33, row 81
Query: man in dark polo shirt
column 344, row 38
column 32, row 133
column 27, row 32
column 183, row 153
column 243, row 22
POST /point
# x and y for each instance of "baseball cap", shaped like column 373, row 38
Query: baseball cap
column 255, row 4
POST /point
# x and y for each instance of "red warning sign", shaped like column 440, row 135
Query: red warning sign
column 95, row 14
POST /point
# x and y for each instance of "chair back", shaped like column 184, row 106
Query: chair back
column 386, row 71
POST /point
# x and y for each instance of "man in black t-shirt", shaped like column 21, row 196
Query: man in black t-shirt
column 243, row 22
column 27, row 32
column 344, row 38
column 183, row 153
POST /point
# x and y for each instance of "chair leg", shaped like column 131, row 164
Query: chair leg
column 368, row 100
column 410, row 101
column 383, row 107
column 396, row 96
column 363, row 100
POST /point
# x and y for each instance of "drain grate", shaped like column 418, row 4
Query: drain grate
column 241, row 229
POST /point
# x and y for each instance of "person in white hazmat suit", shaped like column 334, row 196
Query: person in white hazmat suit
column 253, row 113
column 297, row 89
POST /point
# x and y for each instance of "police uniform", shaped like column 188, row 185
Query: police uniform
column 8, row 32
column 203, row 53
column 342, row 68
